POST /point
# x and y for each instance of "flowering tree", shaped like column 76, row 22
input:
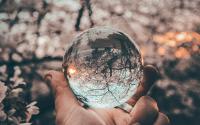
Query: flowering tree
column 14, row 108
column 35, row 33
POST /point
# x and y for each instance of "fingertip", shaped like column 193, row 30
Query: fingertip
column 162, row 119
column 145, row 110
column 64, row 96
column 150, row 102
column 151, row 73
column 54, row 79
column 48, row 75
column 49, row 72
column 55, row 75
column 53, row 72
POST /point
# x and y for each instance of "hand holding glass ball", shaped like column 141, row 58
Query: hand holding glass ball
column 103, row 67
column 103, row 70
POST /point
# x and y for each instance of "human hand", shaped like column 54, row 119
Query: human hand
column 70, row 112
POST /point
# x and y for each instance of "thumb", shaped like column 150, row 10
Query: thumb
column 64, row 97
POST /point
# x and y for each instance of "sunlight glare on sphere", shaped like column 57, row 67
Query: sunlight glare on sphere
column 103, row 67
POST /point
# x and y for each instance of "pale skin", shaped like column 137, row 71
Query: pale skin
column 70, row 112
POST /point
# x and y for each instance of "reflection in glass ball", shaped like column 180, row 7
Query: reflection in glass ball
column 103, row 67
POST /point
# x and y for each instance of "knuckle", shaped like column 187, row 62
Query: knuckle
column 150, row 102
column 147, row 99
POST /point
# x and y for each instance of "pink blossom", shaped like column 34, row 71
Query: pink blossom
column 3, row 90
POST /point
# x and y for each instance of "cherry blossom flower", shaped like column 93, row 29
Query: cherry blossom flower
column 31, row 110
column 3, row 115
column 3, row 90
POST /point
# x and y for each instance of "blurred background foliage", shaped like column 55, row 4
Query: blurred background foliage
column 34, row 33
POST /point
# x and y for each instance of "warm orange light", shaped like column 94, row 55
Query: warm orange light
column 143, row 51
column 161, row 51
column 182, row 53
column 177, row 41
column 195, row 48
column 72, row 70
column 181, row 36
column 172, row 39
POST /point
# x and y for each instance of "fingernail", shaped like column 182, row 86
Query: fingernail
column 48, row 77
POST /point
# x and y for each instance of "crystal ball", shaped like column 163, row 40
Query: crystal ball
column 103, row 67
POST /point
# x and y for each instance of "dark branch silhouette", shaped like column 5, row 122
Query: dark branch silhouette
column 84, row 4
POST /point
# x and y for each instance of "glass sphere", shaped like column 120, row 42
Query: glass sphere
column 103, row 67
